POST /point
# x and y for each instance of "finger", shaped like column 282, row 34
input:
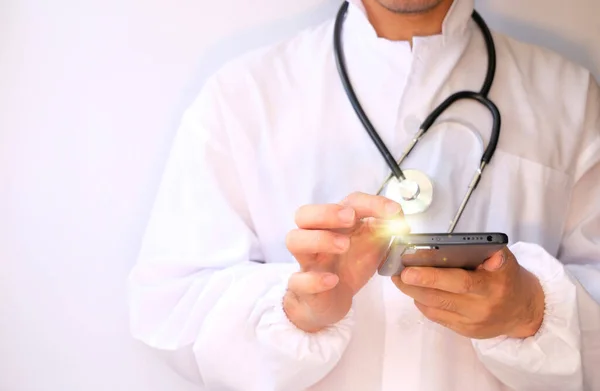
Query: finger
column 302, row 242
column 434, row 298
column 329, row 216
column 446, row 279
column 311, row 283
column 367, row 205
column 450, row 320
column 502, row 260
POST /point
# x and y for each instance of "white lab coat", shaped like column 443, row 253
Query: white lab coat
column 273, row 130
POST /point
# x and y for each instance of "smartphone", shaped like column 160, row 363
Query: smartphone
column 456, row 250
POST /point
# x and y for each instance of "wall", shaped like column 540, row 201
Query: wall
column 90, row 96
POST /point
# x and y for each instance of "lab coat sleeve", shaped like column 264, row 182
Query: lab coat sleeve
column 197, row 286
column 565, row 353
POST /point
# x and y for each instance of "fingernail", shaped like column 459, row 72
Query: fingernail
column 329, row 280
column 342, row 242
column 346, row 215
column 392, row 208
column 410, row 276
column 502, row 260
column 493, row 264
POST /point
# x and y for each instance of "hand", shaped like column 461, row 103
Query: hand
column 499, row 298
column 339, row 248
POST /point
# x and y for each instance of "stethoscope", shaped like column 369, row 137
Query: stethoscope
column 413, row 189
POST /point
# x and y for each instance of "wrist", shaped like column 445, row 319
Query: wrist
column 533, row 308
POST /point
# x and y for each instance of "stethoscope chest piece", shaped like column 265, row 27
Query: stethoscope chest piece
column 415, row 193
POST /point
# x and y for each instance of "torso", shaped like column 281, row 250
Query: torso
column 305, row 145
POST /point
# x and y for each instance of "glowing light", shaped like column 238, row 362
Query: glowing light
column 397, row 227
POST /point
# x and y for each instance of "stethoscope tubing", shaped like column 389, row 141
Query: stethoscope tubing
column 341, row 66
column 481, row 97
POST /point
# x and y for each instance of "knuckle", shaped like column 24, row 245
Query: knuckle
column 467, row 284
column 443, row 303
column 431, row 277
column 448, row 304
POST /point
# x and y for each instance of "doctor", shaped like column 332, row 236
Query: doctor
column 259, row 260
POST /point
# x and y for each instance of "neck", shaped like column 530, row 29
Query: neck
column 398, row 26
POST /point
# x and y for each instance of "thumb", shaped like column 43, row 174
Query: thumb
column 496, row 262
column 311, row 283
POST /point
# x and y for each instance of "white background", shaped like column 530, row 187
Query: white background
column 90, row 96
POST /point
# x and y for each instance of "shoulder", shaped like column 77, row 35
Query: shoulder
column 547, row 85
column 242, row 95
column 541, row 69
column 546, row 98
column 276, row 65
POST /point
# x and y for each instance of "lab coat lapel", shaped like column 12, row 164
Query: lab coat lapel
column 435, row 58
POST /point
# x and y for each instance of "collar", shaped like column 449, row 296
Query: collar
column 455, row 23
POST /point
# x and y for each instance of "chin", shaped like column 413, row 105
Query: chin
column 410, row 6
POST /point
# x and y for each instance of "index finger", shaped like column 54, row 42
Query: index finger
column 328, row 216
column 457, row 281
column 368, row 205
